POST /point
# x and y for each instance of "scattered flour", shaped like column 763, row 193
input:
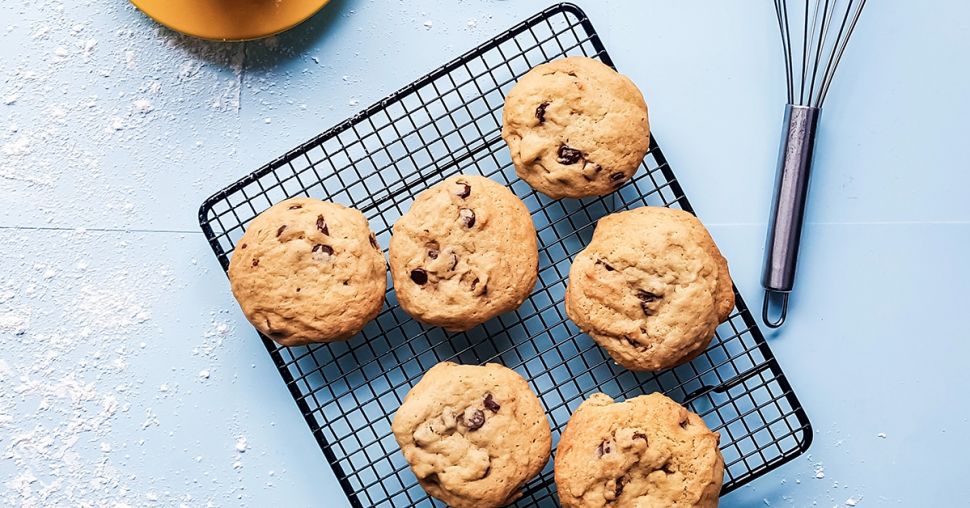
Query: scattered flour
column 17, row 147
column 819, row 472
column 14, row 323
column 83, row 104
column 142, row 106
column 75, row 409
column 87, row 47
column 61, row 394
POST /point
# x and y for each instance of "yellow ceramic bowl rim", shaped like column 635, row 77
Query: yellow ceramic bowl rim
column 263, row 20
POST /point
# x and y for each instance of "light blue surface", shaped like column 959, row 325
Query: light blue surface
column 874, row 344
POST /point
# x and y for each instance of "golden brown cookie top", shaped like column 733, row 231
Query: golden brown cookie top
column 651, row 287
column 465, row 252
column 575, row 127
column 473, row 435
column 648, row 451
column 307, row 271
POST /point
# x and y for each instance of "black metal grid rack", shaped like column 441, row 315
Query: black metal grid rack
column 449, row 122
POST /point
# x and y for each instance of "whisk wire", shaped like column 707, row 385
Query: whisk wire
column 801, row 91
column 838, row 58
column 831, row 65
column 781, row 11
column 821, row 26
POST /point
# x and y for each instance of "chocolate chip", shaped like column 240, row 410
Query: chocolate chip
column 322, row 225
column 475, row 283
column 299, row 289
column 280, row 230
column 646, row 297
column 618, row 182
column 373, row 241
column 255, row 261
column 326, row 249
column 243, row 246
column 619, row 487
column 639, row 435
column 685, row 423
column 454, row 261
column 296, row 207
column 476, row 420
column 463, row 190
column 433, row 249
column 604, row 264
column 467, row 217
column 541, row 112
column 604, row 448
column 419, row 276
column 489, row 402
column 568, row 155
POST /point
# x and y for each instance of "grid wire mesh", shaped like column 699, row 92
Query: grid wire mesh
column 446, row 123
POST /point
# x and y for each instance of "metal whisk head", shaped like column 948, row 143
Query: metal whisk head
column 813, row 39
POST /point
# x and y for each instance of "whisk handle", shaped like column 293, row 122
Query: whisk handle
column 788, row 205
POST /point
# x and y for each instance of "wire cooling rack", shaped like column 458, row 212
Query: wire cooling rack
column 449, row 122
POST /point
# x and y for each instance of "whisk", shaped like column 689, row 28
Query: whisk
column 814, row 34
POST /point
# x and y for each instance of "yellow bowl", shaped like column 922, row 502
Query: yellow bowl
column 230, row 20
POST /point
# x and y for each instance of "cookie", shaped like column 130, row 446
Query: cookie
column 651, row 287
column 473, row 435
column 648, row 451
column 575, row 128
column 307, row 271
column 465, row 252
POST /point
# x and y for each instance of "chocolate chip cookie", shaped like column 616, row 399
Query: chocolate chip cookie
column 473, row 435
column 651, row 287
column 575, row 128
column 465, row 252
column 646, row 451
column 307, row 271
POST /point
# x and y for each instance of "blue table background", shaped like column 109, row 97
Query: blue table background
column 128, row 375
